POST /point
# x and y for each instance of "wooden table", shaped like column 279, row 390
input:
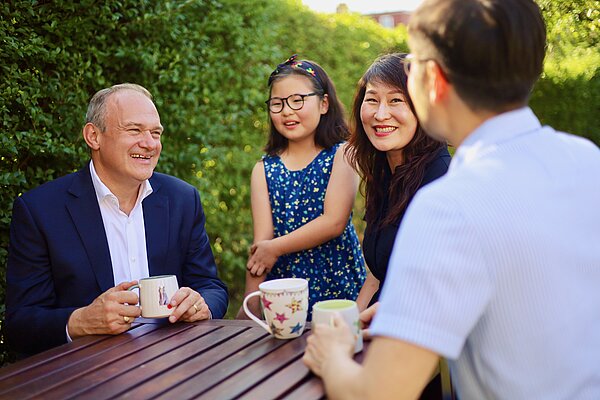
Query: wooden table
column 217, row 359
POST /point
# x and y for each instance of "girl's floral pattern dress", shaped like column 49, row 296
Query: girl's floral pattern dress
column 335, row 269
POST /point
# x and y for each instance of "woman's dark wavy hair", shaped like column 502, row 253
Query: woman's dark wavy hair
column 332, row 128
column 371, row 164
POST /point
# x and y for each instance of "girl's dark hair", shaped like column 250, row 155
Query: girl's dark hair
column 372, row 164
column 332, row 128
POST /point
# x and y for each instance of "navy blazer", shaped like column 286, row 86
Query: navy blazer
column 59, row 259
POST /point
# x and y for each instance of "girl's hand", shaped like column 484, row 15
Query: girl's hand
column 263, row 257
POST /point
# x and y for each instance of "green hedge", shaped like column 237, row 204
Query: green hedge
column 206, row 62
column 568, row 95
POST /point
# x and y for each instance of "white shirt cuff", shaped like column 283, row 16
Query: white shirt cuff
column 69, row 340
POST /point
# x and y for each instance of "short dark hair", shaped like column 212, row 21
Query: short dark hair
column 372, row 164
column 332, row 128
column 492, row 51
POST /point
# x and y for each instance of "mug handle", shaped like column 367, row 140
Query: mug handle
column 136, row 287
column 252, row 316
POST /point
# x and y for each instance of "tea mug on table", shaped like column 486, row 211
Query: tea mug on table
column 155, row 295
column 323, row 312
column 284, row 303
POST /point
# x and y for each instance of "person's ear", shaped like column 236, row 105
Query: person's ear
column 324, row 104
column 90, row 135
column 438, row 82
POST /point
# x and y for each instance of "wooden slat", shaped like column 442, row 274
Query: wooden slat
column 272, row 387
column 64, row 350
column 212, row 359
column 245, row 379
column 49, row 355
column 75, row 366
column 127, row 372
column 229, row 322
column 293, row 375
column 195, row 368
column 27, row 372
column 218, row 371
column 312, row 387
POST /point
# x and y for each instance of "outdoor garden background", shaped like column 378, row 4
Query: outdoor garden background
column 207, row 63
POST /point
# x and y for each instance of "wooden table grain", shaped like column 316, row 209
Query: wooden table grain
column 216, row 359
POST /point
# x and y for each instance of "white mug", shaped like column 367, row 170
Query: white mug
column 323, row 312
column 155, row 295
column 284, row 303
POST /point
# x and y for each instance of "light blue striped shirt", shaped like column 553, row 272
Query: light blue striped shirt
column 497, row 265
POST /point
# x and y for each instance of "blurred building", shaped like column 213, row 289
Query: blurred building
column 389, row 19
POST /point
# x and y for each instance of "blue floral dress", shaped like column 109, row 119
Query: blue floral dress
column 334, row 269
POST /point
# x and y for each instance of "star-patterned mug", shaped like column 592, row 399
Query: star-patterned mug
column 284, row 303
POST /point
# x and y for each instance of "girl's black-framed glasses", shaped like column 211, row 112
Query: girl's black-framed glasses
column 294, row 102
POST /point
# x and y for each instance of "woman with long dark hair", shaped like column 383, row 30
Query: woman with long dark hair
column 394, row 157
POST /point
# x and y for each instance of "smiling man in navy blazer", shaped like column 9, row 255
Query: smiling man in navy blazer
column 79, row 242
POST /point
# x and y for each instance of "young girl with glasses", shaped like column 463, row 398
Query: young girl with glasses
column 303, row 190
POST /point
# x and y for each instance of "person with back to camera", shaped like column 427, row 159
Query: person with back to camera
column 395, row 158
column 303, row 190
column 78, row 243
column 496, row 265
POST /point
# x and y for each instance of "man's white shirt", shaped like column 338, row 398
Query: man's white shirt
column 125, row 234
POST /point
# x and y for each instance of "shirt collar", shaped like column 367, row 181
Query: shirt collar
column 102, row 191
column 496, row 130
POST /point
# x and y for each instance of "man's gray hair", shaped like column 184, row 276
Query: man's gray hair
column 96, row 112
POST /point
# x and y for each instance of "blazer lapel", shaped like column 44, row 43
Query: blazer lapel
column 85, row 212
column 156, row 224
